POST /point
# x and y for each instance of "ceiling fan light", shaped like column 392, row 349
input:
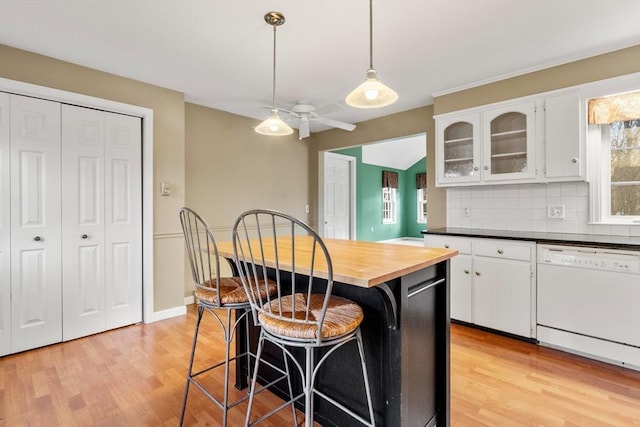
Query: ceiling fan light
column 372, row 93
column 274, row 126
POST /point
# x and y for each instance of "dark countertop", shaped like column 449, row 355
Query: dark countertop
column 599, row 240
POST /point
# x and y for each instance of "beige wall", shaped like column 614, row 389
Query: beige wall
column 168, row 158
column 419, row 120
column 612, row 64
column 230, row 169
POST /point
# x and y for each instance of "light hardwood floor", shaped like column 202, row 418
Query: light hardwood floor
column 134, row 376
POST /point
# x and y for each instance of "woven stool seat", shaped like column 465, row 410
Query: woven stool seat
column 342, row 317
column 231, row 291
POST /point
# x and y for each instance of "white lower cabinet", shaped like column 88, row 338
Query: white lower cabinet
column 492, row 282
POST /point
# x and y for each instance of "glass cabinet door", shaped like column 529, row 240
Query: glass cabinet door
column 458, row 149
column 509, row 142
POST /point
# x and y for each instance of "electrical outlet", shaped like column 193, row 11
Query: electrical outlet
column 555, row 211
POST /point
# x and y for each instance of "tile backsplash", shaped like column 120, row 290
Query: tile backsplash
column 523, row 207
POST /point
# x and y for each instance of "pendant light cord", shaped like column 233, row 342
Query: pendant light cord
column 370, row 34
column 273, row 99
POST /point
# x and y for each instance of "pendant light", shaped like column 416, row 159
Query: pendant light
column 274, row 125
column 372, row 93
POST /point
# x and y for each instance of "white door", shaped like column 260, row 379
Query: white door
column 5, row 224
column 337, row 196
column 102, row 228
column 36, row 308
column 83, row 222
column 123, row 219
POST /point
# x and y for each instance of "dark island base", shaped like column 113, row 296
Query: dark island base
column 406, row 338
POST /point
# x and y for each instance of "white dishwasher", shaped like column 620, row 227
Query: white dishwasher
column 588, row 302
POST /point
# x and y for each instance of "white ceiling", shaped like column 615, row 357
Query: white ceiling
column 401, row 153
column 218, row 53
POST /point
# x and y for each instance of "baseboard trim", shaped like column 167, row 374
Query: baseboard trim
column 168, row 313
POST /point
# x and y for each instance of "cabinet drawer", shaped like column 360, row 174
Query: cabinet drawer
column 461, row 244
column 504, row 249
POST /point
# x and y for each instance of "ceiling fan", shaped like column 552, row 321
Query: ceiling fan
column 307, row 113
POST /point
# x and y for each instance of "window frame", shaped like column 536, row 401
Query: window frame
column 421, row 205
column 392, row 204
column 599, row 153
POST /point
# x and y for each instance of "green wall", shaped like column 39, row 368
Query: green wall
column 369, row 226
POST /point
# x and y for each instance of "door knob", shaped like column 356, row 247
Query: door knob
column 486, row 168
column 477, row 273
column 37, row 238
column 500, row 251
column 84, row 236
column 466, row 272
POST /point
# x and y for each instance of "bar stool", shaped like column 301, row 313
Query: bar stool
column 214, row 293
column 275, row 247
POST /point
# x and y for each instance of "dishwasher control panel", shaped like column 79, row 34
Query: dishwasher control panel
column 590, row 258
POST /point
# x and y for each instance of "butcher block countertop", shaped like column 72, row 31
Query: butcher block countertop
column 365, row 264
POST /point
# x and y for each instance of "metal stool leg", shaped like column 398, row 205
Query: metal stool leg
column 365, row 376
column 189, row 372
column 308, row 388
column 254, row 379
column 293, row 403
column 225, row 396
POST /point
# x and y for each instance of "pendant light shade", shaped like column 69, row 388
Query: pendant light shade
column 372, row 93
column 274, row 125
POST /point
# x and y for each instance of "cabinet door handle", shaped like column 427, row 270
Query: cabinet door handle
column 466, row 272
column 574, row 160
column 84, row 236
column 37, row 239
column 486, row 168
column 500, row 251
column 446, row 245
column 477, row 273
column 475, row 168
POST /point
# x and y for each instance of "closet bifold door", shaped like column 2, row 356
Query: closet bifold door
column 36, row 305
column 83, row 222
column 101, row 225
column 5, row 224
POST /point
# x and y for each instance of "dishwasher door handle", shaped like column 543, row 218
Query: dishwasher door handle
column 423, row 287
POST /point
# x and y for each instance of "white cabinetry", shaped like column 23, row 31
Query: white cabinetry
column 564, row 147
column 508, row 136
column 459, row 148
column 487, row 144
column 512, row 142
column 492, row 282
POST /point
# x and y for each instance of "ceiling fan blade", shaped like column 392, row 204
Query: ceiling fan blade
column 336, row 123
column 303, row 130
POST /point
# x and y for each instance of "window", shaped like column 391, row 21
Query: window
column 614, row 143
column 422, row 205
column 389, row 204
column 421, row 197
column 389, row 197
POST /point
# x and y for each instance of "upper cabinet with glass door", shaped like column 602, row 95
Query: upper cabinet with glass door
column 458, row 149
column 509, row 142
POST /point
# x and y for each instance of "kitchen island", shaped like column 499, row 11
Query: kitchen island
column 404, row 293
